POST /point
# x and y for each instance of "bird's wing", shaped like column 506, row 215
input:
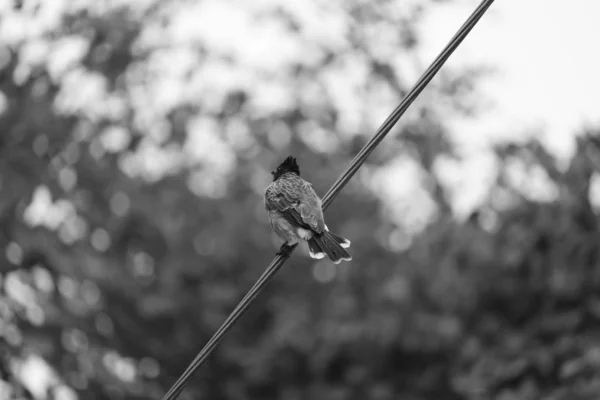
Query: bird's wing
column 298, row 203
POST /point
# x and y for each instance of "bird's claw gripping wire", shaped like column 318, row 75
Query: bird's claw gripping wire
column 285, row 250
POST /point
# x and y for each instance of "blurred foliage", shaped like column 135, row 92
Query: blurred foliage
column 131, row 218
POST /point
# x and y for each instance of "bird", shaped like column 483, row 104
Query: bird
column 295, row 213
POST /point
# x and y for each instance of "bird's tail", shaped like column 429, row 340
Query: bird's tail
column 330, row 245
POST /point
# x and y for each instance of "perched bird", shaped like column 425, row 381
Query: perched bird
column 295, row 213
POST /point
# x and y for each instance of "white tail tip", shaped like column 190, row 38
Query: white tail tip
column 318, row 256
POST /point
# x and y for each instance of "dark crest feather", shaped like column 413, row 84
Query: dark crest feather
column 288, row 165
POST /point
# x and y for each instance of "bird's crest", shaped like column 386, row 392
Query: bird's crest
column 288, row 165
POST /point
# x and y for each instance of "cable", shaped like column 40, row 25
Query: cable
column 356, row 163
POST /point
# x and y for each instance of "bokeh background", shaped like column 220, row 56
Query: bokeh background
column 136, row 141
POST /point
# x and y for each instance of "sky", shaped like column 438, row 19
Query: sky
column 546, row 82
column 547, row 76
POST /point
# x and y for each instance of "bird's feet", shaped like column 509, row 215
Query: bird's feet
column 285, row 250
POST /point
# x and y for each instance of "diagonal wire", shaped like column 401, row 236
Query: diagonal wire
column 356, row 163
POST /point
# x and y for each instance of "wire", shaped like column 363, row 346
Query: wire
column 356, row 163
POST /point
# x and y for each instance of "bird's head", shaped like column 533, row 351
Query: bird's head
column 288, row 165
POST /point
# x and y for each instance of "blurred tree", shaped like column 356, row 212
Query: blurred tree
column 136, row 144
